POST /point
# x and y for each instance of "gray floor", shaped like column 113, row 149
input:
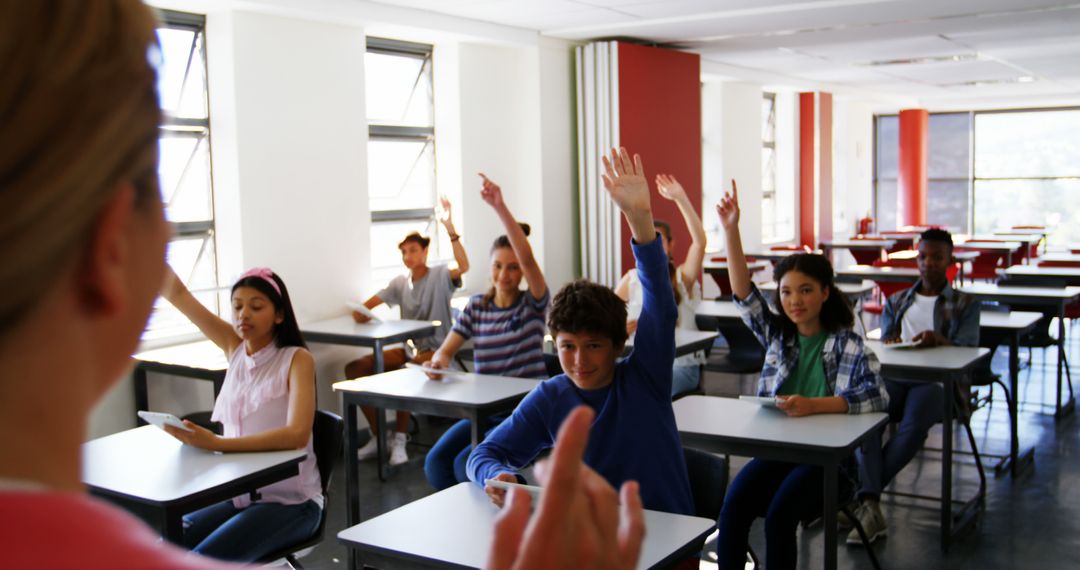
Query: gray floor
column 1030, row 522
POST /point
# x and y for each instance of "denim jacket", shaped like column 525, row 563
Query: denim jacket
column 848, row 370
column 956, row 315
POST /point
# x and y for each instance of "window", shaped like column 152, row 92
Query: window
column 184, row 169
column 401, row 150
column 777, row 213
column 989, row 170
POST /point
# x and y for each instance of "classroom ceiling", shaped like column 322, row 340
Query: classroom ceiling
column 937, row 53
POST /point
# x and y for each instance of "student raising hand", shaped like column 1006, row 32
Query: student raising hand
column 491, row 193
column 625, row 181
column 728, row 208
column 581, row 520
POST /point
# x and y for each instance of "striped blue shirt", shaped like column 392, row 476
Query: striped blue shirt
column 508, row 341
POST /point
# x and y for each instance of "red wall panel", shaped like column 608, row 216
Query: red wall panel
column 912, row 166
column 660, row 119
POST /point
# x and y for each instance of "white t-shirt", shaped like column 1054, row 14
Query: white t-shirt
column 687, row 308
column 918, row 318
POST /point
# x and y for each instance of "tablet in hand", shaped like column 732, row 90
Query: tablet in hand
column 763, row 401
column 161, row 420
column 506, row 485
column 360, row 308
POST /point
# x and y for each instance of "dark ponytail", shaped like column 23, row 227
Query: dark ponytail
column 836, row 314
column 287, row 333
column 500, row 243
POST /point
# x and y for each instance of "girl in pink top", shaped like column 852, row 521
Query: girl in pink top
column 266, row 403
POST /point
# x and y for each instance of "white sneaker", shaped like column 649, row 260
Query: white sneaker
column 368, row 450
column 872, row 521
column 397, row 449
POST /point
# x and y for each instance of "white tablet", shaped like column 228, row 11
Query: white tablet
column 532, row 489
column 764, row 401
column 430, row 370
column 905, row 344
column 161, row 420
column 360, row 308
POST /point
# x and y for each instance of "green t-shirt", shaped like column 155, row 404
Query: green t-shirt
column 809, row 377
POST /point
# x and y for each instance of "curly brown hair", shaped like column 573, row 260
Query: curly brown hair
column 584, row 306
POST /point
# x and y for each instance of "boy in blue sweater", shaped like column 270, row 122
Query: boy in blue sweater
column 633, row 436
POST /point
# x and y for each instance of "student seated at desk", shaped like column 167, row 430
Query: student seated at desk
column 633, row 436
column 506, row 325
column 423, row 294
column 814, row 364
column 267, row 403
column 684, row 281
column 930, row 313
column 84, row 256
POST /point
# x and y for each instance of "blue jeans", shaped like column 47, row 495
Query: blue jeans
column 917, row 406
column 785, row 494
column 444, row 465
column 684, row 379
column 225, row 532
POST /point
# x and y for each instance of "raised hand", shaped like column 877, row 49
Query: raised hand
column 728, row 208
column 669, row 187
column 625, row 181
column 443, row 211
column 491, row 193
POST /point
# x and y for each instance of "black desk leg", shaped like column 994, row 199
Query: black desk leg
column 380, row 443
column 352, row 475
column 1062, row 411
column 474, row 419
column 946, row 465
column 172, row 527
column 380, row 362
column 142, row 397
column 829, row 516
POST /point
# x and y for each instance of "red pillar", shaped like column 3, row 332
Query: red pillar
column 807, row 170
column 912, row 160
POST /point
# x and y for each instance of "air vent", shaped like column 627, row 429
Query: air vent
column 925, row 60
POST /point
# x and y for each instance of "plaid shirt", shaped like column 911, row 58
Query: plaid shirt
column 849, row 372
column 956, row 315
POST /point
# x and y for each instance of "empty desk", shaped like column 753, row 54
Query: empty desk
column 377, row 336
column 881, row 274
column 202, row 360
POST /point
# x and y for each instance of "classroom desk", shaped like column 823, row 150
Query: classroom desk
column 729, row 425
column 720, row 310
column 1013, row 325
column 868, row 245
column 720, row 268
column 853, row 291
column 1008, row 247
column 1062, row 257
column 201, row 360
column 1070, row 275
column 1039, row 296
column 454, row 528
column 468, row 396
column 687, row 341
column 947, row 365
column 151, row 474
column 882, row 274
column 776, row 255
column 346, row 331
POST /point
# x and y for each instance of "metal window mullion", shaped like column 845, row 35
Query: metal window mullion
column 390, row 131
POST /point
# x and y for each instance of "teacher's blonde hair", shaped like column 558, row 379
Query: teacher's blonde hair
column 79, row 117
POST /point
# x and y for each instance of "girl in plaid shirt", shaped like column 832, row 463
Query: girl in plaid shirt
column 814, row 364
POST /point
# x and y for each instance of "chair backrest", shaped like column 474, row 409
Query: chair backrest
column 328, row 434
column 708, row 481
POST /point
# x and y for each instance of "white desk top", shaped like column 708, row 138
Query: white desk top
column 346, row 326
column 1062, row 272
column 990, row 245
column 685, row 337
column 1022, row 232
column 988, row 289
column 455, row 527
column 1061, row 257
column 870, row 272
column 201, row 354
column 468, row 389
column 147, row 463
column 942, row 358
column 718, row 309
column 722, row 266
column 1024, row 238
column 774, row 254
column 736, row 419
column 873, row 243
column 1012, row 320
column 850, row 289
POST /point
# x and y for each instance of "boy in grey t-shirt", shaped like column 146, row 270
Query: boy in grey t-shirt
column 424, row 295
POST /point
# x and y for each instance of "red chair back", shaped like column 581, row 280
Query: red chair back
column 1059, row 264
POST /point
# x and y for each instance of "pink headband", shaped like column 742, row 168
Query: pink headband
column 265, row 274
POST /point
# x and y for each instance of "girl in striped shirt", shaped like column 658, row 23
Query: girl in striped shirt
column 507, row 328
